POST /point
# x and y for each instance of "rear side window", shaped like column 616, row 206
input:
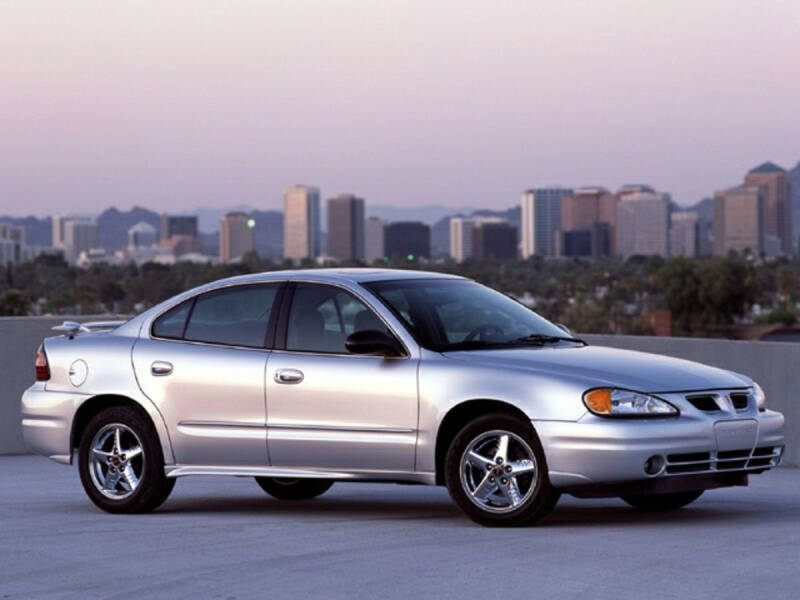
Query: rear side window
column 171, row 323
column 236, row 316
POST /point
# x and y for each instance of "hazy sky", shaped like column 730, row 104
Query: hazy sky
column 186, row 103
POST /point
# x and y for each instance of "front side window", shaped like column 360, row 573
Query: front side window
column 457, row 314
column 322, row 316
column 235, row 316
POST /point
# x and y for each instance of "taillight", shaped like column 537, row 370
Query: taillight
column 42, row 367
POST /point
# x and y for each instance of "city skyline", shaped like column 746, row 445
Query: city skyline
column 430, row 103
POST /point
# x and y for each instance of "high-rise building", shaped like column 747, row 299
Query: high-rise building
column 180, row 233
column 373, row 239
column 794, row 194
column 462, row 235
column 643, row 224
column 739, row 220
column 57, row 222
column 584, row 209
column 407, row 239
column 541, row 220
column 683, row 238
column 142, row 235
column 13, row 238
column 346, row 228
column 774, row 181
column 172, row 225
column 494, row 240
column 235, row 236
column 301, row 239
column 80, row 235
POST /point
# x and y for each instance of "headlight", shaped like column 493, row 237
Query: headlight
column 608, row 402
column 760, row 396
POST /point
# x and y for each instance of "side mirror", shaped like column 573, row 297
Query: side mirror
column 371, row 341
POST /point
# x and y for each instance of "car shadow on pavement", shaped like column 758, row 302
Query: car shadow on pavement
column 566, row 514
column 320, row 507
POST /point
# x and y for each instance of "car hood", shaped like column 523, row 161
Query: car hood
column 598, row 365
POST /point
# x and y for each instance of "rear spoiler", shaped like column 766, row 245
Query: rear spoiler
column 71, row 328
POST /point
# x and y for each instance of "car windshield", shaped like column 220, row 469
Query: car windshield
column 458, row 314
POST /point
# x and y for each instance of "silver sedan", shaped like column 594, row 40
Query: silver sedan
column 303, row 378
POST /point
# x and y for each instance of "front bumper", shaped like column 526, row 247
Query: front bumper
column 47, row 421
column 596, row 453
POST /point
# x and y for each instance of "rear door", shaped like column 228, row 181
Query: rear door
column 203, row 365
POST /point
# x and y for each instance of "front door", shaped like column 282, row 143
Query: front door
column 203, row 366
column 331, row 409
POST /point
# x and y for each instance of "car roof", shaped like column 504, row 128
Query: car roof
column 353, row 275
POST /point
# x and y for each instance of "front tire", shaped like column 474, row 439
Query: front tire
column 284, row 488
column 121, row 464
column 496, row 472
column 671, row 501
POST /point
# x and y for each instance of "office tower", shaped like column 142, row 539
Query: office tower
column 774, row 181
column 794, row 195
column 705, row 214
column 373, row 239
column 541, row 220
column 184, row 225
column 142, row 235
column 407, row 239
column 346, row 228
column 179, row 233
column 683, row 232
column 58, row 223
column 235, row 236
column 643, row 224
column 584, row 209
column 301, row 223
column 13, row 238
column 739, row 220
column 462, row 233
column 79, row 235
column 495, row 240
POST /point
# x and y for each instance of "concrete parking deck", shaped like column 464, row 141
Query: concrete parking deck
column 224, row 538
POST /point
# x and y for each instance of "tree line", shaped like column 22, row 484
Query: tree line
column 706, row 297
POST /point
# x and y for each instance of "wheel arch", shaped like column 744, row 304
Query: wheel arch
column 461, row 414
column 93, row 405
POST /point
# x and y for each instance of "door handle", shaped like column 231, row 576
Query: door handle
column 161, row 368
column 288, row 376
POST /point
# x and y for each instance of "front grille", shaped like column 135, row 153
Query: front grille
column 706, row 403
column 729, row 460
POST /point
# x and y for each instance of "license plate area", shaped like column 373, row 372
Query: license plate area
column 736, row 435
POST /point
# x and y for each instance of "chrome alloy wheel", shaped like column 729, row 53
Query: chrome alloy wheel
column 116, row 461
column 498, row 471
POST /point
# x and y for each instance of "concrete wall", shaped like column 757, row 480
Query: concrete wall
column 19, row 339
column 775, row 365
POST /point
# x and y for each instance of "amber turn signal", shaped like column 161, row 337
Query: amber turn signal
column 599, row 401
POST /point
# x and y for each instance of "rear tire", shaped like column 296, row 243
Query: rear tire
column 120, row 462
column 499, row 486
column 284, row 488
column 662, row 501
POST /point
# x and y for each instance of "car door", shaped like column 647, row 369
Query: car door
column 327, row 408
column 203, row 365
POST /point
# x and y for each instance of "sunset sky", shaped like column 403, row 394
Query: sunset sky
column 173, row 105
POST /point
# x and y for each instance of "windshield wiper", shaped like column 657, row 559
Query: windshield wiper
column 537, row 339
column 542, row 339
